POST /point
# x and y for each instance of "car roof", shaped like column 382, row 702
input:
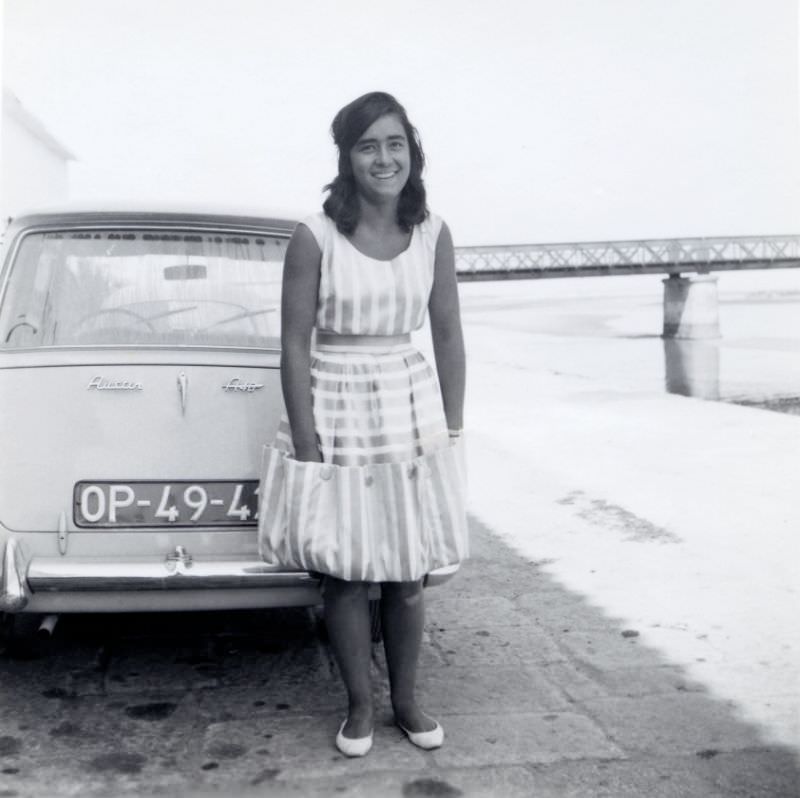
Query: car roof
column 150, row 218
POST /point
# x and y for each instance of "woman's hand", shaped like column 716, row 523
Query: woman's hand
column 308, row 455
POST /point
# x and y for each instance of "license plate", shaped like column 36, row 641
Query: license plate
column 173, row 504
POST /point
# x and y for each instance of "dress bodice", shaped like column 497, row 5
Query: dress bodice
column 360, row 295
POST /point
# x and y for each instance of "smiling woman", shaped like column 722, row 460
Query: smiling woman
column 363, row 484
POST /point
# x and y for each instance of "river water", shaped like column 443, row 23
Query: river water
column 609, row 329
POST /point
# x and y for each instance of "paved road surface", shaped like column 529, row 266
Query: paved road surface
column 540, row 694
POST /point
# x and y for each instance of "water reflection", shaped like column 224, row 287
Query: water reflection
column 692, row 368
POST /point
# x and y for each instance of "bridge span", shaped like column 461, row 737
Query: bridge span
column 653, row 256
column 690, row 302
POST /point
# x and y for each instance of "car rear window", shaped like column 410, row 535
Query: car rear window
column 143, row 287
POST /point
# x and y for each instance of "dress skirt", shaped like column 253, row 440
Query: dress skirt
column 387, row 504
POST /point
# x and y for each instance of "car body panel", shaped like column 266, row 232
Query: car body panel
column 152, row 433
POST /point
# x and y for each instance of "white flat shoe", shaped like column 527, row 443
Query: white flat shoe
column 427, row 739
column 353, row 746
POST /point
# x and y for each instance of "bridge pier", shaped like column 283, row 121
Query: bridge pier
column 691, row 309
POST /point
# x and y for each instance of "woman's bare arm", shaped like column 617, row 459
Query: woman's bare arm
column 448, row 339
column 298, row 314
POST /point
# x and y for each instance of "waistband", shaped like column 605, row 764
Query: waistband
column 333, row 342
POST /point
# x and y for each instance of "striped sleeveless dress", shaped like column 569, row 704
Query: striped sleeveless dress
column 388, row 501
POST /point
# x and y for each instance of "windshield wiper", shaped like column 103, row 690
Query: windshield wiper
column 170, row 313
column 245, row 315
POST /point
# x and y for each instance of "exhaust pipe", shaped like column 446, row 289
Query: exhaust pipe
column 47, row 626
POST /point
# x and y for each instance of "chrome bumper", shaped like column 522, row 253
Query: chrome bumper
column 49, row 574
column 23, row 576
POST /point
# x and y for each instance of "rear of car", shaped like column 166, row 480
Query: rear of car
column 139, row 380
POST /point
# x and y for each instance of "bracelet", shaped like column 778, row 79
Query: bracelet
column 454, row 433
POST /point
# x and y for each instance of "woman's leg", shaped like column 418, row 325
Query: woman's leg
column 348, row 625
column 403, row 619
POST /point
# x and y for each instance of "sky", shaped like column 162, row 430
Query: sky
column 542, row 120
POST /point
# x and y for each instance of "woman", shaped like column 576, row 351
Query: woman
column 372, row 486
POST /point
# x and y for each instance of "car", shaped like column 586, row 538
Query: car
column 139, row 382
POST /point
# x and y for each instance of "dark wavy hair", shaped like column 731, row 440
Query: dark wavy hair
column 348, row 126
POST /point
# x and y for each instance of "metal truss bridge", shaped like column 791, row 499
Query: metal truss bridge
column 657, row 256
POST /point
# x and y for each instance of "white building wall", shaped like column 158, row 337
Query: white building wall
column 34, row 164
column 33, row 174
